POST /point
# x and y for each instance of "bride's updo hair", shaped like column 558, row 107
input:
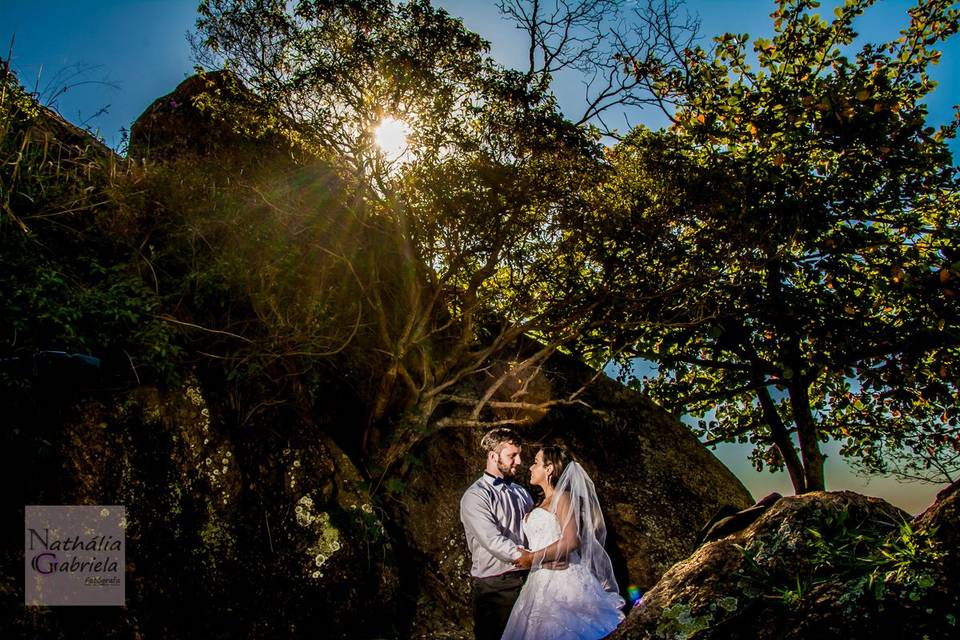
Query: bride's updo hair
column 557, row 456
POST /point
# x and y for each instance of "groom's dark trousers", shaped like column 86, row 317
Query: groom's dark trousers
column 493, row 600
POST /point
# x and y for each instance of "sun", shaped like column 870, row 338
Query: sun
column 391, row 136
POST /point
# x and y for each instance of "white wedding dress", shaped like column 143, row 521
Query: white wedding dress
column 560, row 604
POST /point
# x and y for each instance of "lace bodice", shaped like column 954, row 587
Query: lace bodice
column 541, row 528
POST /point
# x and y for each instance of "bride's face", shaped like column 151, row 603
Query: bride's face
column 538, row 471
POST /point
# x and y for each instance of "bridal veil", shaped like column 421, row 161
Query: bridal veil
column 576, row 506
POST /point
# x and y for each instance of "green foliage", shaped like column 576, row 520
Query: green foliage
column 803, row 219
column 17, row 112
column 870, row 561
column 48, row 306
column 792, row 597
column 66, row 278
column 903, row 559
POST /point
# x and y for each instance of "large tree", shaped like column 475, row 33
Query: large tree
column 802, row 193
column 469, row 238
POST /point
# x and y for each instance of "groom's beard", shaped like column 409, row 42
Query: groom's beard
column 506, row 470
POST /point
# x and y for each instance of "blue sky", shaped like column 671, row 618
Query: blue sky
column 140, row 46
column 134, row 51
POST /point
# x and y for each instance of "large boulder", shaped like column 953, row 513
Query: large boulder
column 819, row 565
column 208, row 114
column 270, row 526
column 657, row 485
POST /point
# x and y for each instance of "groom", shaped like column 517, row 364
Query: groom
column 492, row 511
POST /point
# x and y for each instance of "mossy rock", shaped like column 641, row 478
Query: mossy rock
column 824, row 565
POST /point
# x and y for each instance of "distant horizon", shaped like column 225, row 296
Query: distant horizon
column 135, row 51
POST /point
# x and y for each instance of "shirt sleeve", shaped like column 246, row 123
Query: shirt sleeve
column 480, row 523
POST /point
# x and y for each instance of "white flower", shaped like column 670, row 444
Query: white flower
column 366, row 508
column 104, row 512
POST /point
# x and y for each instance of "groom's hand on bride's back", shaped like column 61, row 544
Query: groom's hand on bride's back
column 527, row 558
column 525, row 561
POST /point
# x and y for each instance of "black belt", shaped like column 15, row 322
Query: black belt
column 506, row 574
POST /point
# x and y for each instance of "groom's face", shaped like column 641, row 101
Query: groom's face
column 508, row 460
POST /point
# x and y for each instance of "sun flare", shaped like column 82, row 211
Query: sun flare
column 391, row 136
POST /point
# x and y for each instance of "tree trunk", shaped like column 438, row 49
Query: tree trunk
column 412, row 429
column 781, row 438
column 380, row 405
column 808, row 435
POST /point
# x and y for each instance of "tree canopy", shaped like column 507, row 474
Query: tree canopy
column 475, row 226
column 802, row 190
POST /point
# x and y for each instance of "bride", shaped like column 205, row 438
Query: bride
column 571, row 592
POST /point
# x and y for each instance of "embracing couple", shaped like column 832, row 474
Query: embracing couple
column 538, row 572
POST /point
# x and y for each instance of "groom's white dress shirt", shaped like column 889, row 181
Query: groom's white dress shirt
column 492, row 514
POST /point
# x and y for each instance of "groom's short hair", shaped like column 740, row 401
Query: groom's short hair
column 495, row 439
